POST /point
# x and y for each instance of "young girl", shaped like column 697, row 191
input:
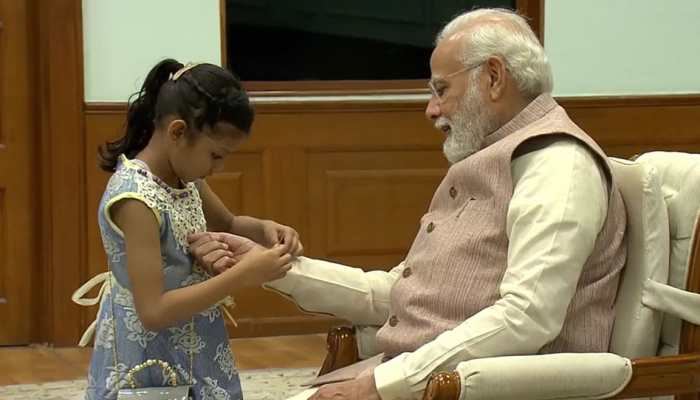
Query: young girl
column 160, row 305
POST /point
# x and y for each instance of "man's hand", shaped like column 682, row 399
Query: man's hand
column 275, row 233
column 218, row 251
column 360, row 388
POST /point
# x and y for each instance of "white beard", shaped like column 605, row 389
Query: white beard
column 469, row 125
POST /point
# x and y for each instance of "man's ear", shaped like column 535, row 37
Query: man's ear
column 177, row 129
column 497, row 73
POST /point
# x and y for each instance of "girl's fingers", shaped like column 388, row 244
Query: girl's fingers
column 285, row 259
column 298, row 250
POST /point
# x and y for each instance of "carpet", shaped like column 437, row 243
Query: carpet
column 260, row 384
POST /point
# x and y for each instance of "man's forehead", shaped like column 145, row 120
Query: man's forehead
column 445, row 57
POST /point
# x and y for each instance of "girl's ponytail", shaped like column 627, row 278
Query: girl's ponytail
column 140, row 117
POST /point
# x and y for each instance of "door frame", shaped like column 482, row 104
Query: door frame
column 58, row 41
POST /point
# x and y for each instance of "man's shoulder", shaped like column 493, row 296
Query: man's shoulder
column 552, row 147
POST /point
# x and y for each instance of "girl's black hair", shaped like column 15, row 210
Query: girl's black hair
column 202, row 96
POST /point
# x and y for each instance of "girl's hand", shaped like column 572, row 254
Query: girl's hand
column 275, row 233
column 260, row 265
column 218, row 251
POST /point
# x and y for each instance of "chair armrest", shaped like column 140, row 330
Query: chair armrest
column 653, row 376
column 658, row 376
column 341, row 345
column 443, row 386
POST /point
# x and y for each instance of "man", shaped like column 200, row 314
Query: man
column 522, row 246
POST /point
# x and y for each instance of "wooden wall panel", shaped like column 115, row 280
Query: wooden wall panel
column 365, row 206
column 361, row 204
column 228, row 186
column 57, row 28
column 3, row 57
column 3, row 245
column 354, row 178
column 625, row 127
column 19, row 228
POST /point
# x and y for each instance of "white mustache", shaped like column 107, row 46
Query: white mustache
column 442, row 122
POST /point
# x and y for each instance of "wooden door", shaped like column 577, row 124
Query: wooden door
column 19, row 183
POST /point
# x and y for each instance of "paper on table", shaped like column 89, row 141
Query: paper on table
column 346, row 373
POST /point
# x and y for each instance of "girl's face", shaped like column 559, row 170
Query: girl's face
column 196, row 156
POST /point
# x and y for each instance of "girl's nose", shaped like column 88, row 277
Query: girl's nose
column 217, row 167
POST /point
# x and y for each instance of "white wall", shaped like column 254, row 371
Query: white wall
column 623, row 47
column 123, row 39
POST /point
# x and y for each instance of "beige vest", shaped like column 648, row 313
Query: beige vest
column 458, row 258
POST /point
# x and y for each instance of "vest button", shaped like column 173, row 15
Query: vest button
column 393, row 321
column 431, row 227
column 407, row 272
column 453, row 192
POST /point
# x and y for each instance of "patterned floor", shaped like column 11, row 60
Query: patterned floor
column 265, row 384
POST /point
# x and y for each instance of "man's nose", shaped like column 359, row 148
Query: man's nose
column 432, row 111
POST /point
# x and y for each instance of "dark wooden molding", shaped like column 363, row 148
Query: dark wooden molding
column 60, row 80
column 654, row 100
column 405, row 100
column 42, row 324
column 423, row 90
column 2, row 84
column 105, row 108
column 290, row 103
column 335, row 86
column 533, row 10
column 222, row 28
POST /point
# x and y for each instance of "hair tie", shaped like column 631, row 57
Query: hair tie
column 181, row 71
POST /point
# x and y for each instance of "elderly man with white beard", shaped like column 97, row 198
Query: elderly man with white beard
column 522, row 247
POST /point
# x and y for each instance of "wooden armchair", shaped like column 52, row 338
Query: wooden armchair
column 341, row 346
column 662, row 195
column 651, row 376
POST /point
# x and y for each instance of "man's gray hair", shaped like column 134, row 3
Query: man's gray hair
column 503, row 33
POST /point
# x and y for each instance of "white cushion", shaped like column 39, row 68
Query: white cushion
column 680, row 182
column 544, row 377
column 637, row 327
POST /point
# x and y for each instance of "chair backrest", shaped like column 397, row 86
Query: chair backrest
column 637, row 327
column 680, row 183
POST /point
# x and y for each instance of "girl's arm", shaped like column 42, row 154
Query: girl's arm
column 158, row 309
column 265, row 232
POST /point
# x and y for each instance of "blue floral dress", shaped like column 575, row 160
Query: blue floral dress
column 201, row 340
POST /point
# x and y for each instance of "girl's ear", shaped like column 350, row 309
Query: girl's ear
column 177, row 129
